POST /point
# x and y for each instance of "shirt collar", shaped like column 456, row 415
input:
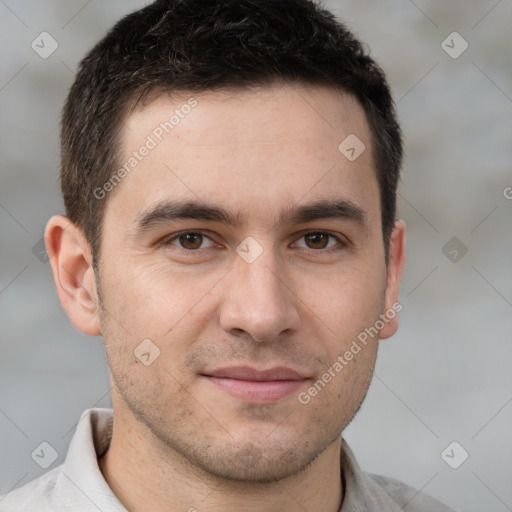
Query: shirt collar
column 360, row 492
column 81, row 481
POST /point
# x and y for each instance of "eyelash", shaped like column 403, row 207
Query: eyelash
column 190, row 252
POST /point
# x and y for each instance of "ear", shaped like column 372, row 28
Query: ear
column 394, row 274
column 71, row 261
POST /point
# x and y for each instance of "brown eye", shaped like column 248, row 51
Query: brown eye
column 191, row 240
column 317, row 240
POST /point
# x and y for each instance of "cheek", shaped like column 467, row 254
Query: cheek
column 346, row 302
column 156, row 302
column 336, row 395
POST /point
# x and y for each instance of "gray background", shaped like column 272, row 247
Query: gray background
column 445, row 376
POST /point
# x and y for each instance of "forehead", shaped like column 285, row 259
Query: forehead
column 258, row 114
column 255, row 151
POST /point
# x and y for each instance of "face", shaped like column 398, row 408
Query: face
column 246, row 250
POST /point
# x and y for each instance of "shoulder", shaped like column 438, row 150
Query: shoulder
column 39, row 494
column 371, row 492
column 406, row 498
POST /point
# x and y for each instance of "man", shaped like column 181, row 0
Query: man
column 229, row 171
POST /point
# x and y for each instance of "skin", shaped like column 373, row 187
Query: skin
column 179, row 440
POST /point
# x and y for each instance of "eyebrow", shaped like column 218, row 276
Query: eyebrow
column 169, row 211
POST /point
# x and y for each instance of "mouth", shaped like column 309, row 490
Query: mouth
column 257, row 386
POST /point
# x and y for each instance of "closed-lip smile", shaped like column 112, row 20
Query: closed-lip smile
column 256, row 386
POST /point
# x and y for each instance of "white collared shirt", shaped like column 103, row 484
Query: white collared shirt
column 78, row 485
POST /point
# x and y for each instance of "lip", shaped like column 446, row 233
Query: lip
column 257, row 386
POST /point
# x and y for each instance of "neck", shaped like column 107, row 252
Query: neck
column 145, row 480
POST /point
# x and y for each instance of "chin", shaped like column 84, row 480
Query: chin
column 261, row 461
column 250, row 465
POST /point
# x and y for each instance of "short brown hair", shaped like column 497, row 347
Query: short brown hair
column 197, row 45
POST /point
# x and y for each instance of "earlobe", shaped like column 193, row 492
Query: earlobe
column 394, row 275
column 71, row 262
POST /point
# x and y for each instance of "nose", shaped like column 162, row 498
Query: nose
column 260, row 302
